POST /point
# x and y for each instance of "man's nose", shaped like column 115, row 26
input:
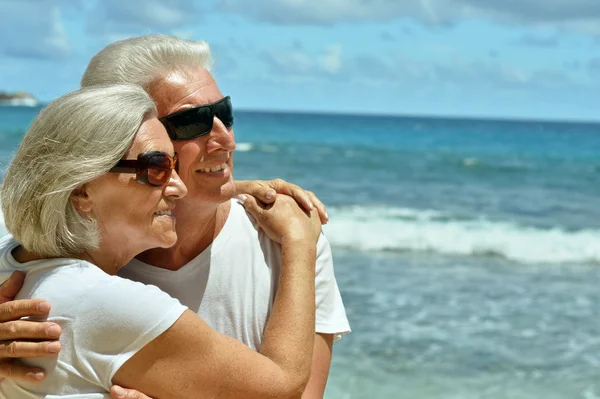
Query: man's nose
column 220, row 137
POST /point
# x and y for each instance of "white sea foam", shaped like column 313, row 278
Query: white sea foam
column 3, row 231
column 244, row 147
column 400, row 229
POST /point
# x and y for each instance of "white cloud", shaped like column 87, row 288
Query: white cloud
column 398, row 70
column 41, row 34
column 594, row 68
column 185, row 34
column 331, row 61
column 225, row 62
column 537, row 41
column 329, row 11
column 579, row 15
column 289, row 62
column 295, row 61
column 110, row 16
column 387, row 36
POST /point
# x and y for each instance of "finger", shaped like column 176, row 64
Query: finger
column 314, row 215
column 21, row 329
column 252, row 206
column 117, row 392
column 13, row 370
column 260, row 191
column 263, row 193
column 257, row 189
column 242, row 186
column 14, row 310
column 321, row 208
column 18, row 349
column 10, row 288
column 294, row 191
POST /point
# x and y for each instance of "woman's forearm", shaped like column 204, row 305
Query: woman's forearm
column 288, row 339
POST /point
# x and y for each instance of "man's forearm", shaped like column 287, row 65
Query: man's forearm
column 321, row 364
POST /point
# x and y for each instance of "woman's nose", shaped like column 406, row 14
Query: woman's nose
column 175, row 187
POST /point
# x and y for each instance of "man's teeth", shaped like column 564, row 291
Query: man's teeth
column 214, row 168
column 161, row 213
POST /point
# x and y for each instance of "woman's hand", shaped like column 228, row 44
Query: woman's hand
column 284, row 220
column 266, row 191
column 20, row 338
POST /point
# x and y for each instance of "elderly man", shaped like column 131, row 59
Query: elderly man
column 223, row 266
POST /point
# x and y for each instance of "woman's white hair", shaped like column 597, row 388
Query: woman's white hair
column 74, row 140
column 144, row 60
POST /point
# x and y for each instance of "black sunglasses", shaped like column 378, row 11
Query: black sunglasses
column 153, row 168
column 194, row 122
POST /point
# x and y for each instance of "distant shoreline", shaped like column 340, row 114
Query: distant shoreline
column 19, row 98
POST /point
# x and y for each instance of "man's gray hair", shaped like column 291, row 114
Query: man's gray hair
column 144, row 60
column 74, row 140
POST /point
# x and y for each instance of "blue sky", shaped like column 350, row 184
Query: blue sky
column 492, row 58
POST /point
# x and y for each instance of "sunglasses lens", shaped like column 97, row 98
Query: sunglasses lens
column 195, row 122
column 224, row 111
column 159, row 169
column 189, row 124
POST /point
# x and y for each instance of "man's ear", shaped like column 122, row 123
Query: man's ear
column 81, row 200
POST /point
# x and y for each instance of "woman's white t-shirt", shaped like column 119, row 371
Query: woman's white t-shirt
column 105, row 320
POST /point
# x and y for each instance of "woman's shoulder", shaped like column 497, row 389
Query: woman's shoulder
column 81, row 288
column 54, row 279
column 72, row 280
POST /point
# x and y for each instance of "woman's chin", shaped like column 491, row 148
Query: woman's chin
column 170, row 240
column 161, row 238
column 164, row 231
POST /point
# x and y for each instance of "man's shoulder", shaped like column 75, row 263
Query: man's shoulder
column 244, row 233
column 241, row 224
column 238, row 214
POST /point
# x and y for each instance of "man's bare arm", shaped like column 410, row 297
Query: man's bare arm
column 321, row 364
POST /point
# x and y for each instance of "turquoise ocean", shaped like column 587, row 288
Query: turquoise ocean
column 467, row 251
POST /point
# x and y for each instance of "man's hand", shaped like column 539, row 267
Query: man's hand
column 266, row 191
column 117, row 392
column 15, row 333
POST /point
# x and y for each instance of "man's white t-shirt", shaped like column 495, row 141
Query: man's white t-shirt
column 232, row 284
column 105, row 321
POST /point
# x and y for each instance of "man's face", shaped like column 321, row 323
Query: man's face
column 206, row 152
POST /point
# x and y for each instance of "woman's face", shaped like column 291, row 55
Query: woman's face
column 133, row 217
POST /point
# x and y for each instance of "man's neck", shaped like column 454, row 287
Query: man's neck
column 196, row 228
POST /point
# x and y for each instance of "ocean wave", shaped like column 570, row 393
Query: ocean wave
column 412, row 230
column 374, row 229
column 244, row 147
column 491, row 166
column 249, row 147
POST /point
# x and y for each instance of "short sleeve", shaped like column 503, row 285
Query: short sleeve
column 116, row 319
column 331, row 315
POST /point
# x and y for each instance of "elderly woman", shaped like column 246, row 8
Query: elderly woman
column 93, row 184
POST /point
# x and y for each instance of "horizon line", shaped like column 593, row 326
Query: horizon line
column 484, row 118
